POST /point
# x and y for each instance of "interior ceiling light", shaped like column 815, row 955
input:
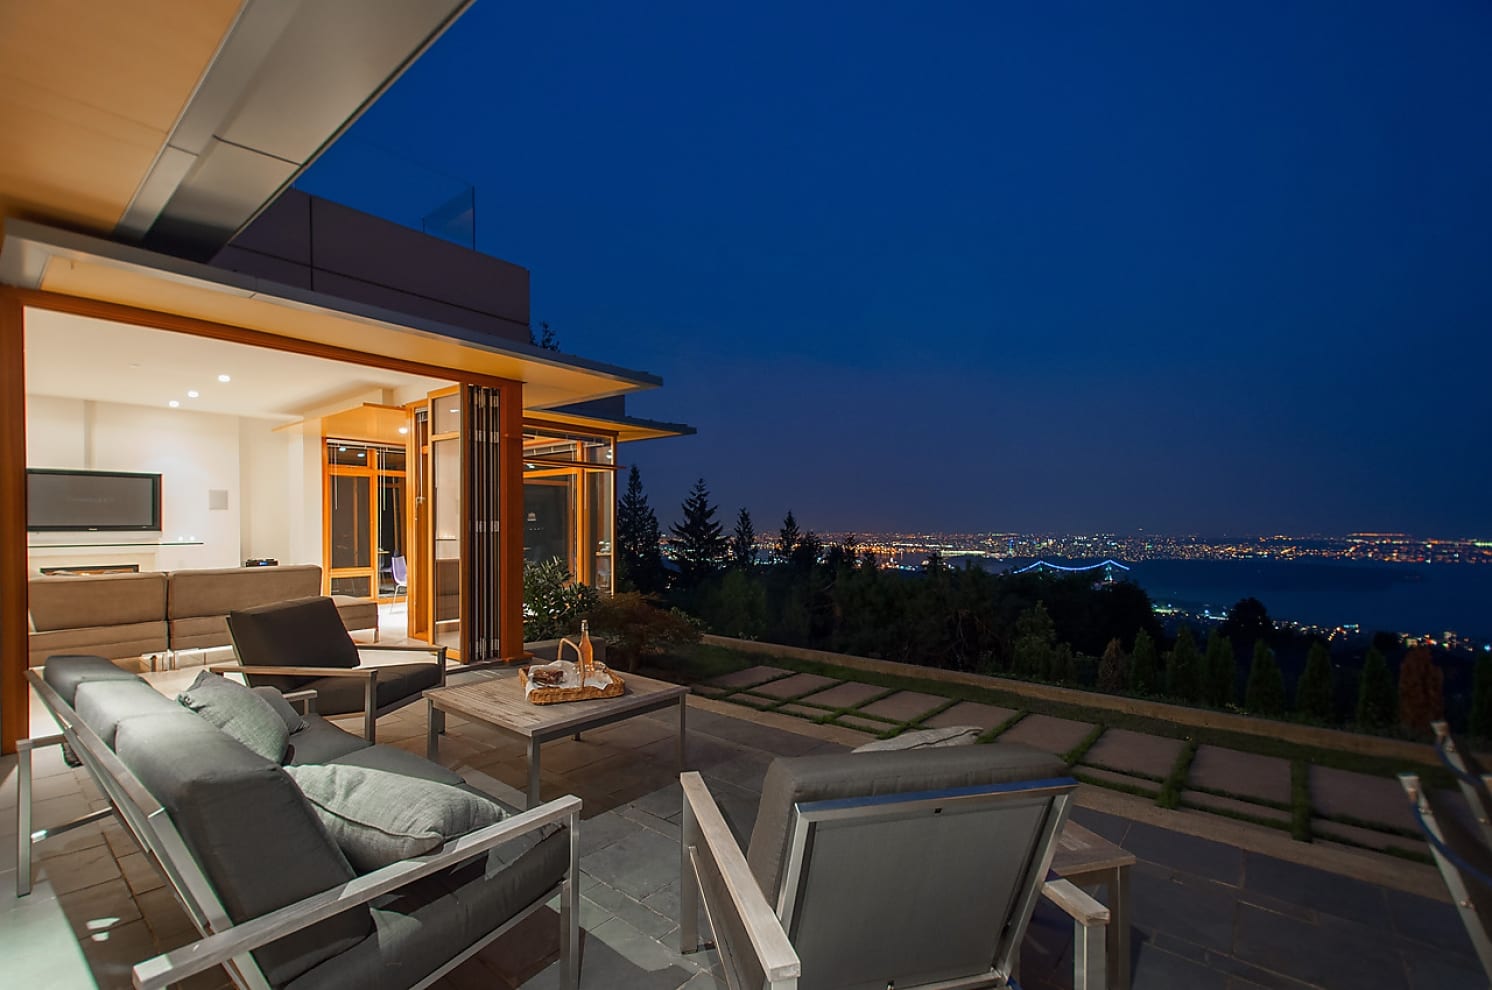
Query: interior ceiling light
column 193, row 394
column 225, row 378
column 403, row 430
column 362, row 453
column 173, row 404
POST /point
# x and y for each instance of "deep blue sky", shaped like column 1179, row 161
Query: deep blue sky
column 1186, row 267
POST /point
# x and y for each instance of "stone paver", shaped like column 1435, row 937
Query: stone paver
column 1248, row 774
column 1377, row 800
column 749, row 677
column 1045, row 732
column 904, row 706
column 1134, row 752
column 863, row 724
column 1227, row 805
column 1371, row 838
column 802, row 711
column 970, row 713
column 790, row 687
column 1120, row 781
column 846, row 695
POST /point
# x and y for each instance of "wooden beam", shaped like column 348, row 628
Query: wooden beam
column 510, row 521
column 15, row 701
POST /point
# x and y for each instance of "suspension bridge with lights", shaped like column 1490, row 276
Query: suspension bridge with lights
column 1107, row 566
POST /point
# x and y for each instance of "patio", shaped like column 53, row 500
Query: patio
column 1206, row 914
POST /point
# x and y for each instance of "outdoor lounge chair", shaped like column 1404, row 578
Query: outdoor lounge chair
column 1474, row 781
column 1464, row 859
column 909, row 869
column 302, row 645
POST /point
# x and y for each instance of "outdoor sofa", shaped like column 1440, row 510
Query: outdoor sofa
column 252, row 859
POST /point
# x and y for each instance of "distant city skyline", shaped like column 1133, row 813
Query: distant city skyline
column 1185, row 267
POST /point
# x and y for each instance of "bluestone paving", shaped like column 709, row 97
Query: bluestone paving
column 904, row 706
column 1246, row 774
column 1331, row 954
column 1319, row 890
column 1378, row 800
column 1046, row 732
column 1130, row 752
column 749, row 677
column 970, row 713
column 846, row 695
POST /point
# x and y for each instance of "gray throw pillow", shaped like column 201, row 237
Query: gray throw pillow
column 378, row 818
column 239, row 712
column 292, row 718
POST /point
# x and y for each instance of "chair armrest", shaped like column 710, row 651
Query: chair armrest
column 216, row 949
column 440, row 651
column 234, row 668
column 1077, row 904
column 705, row 827
column 307, row 698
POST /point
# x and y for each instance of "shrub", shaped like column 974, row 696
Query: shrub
column 1313, row 690
column 1182, row 665
column 1376, row 697
column 1481, row 698
column 1035, row 651
column 635, row 627
column 1421, row 691
column 1265, row 693
column 553, row 601
column 1111, row 669
column 1143, row 664
column 1220, row 671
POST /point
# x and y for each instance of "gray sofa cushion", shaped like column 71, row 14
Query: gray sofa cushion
column 847, row 775
column 391, row 759
column 396, row 682
column 105, row 704
column 378, row 818
column 303, row 633
column 245, row 822
column 423, row 925
column 238, row 711
column 294, row 720
column 322, row 742
column 64, row 672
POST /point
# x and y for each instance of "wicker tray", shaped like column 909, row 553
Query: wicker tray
column 583, row 692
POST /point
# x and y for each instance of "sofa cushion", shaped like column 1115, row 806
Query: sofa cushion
column 103, row 705
column 221, row 590
column 200, row 632
column 396, row 682
column 848, row 775
column 357, row 613
column 246, row 824
column 118, row 642
column 423, row 925
column 240, row 712
column 302, row 633
column 322, row 742
column 378, row 818
column 391, row 759
column 96, row 600
column 63, row 673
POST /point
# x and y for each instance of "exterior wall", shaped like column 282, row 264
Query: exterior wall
column 313, row 243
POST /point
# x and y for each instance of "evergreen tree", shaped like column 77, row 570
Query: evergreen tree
column 639, row 560
column 1035, row 642
column 1481, row 698
column 1111, row 672
column 1248, row 621
column 1313, row 690
column 788, row 538
column 699, row 543
column 1220, row 671
column 1377, row 700
column 806, row 553
column 1143, row 664
column 1421, row 691
column 743, row 541
column 1182, row 665
column 1265, row 692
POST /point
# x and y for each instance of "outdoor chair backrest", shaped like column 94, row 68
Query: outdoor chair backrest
column 910, row 868
column 304, row 632
column 1464, row 859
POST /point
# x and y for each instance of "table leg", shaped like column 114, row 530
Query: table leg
column 433, row 723
column 533, row 773
column 683, row 707
column 1118, row 939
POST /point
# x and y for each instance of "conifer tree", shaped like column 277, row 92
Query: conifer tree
column 788, row 538
column 1111, row 668
column 1035, row 642
column 1265, row 693
column 639, row 560
column 1377, row 699
column 743, row 541
column 1421, row 691
column 1220, row 671
column 1481, row 698
column 1143, row 664
column 1182, row 665
column 1313, row 690
column 700, row 544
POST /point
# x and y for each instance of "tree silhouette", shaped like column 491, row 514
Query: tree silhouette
column 1247, row 622
column 1313, row 690
column 700, row 546
column 1265, row 694
column 743, row 541
column 639, row 560
column 1182, row 665
column 1111, row 672
column 1421, row 691
column 788, row 538
column 1143, row 664
column 1377, row 701
column 1220, row 671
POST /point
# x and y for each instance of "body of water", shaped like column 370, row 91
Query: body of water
column 1407, row 598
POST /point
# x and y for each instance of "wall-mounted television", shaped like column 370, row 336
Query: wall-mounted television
column 84, row 501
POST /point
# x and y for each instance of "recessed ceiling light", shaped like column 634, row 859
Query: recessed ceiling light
column 193, row 394
column 224, row 378
column 403, row 429
column 173, row 404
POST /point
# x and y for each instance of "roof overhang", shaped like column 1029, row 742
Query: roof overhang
column 626, row 428
column 77, row 266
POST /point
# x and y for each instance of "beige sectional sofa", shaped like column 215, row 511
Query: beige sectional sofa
column 127, row 616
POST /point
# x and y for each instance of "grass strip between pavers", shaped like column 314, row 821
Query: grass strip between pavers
column 1236, row 815
column 1140, row 774
column 1170, row 791
column 1112, row 785
column 1245, row 798
column 1400, row 831
column 990, row 735
column 1072, row 756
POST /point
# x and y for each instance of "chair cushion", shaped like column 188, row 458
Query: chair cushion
column 378, row 818
column 239, row 712
column 64, row 672
column 294, row 720
column 306, row 632
column 848, row 775
column 391, row 759
column 957, row 735
column 396, row 682
column 322, row 742
column 103, row 705
column 246, row 824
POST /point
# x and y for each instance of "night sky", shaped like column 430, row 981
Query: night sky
column 1181, row 267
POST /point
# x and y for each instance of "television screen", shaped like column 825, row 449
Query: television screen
column 91, row 500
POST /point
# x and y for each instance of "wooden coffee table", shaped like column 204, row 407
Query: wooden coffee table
column 499, row 702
